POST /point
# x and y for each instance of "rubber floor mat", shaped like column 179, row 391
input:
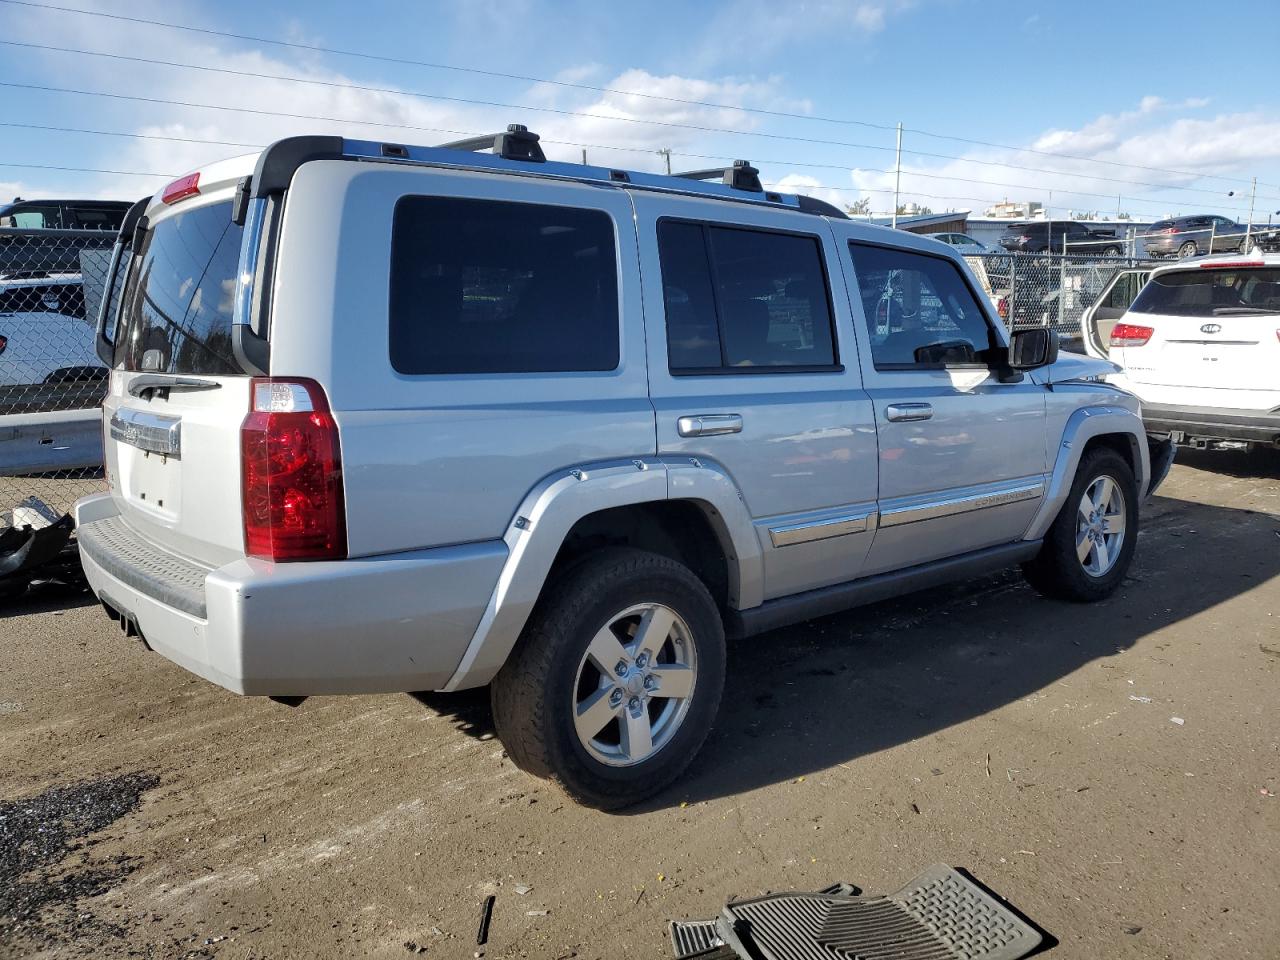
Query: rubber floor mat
column 939, row 915
column 694, row 938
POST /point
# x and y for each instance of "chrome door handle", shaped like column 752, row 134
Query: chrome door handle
column 709, row 425
column 900, row 412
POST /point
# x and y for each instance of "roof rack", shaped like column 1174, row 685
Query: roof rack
column 515, row 143
column 741, row 176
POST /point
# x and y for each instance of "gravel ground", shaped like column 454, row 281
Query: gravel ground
column 1111, row 770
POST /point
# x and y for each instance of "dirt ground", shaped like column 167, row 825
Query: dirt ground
column 1112, row 770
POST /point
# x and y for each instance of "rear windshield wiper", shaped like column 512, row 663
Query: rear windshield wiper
column 150, row 382
column 1241, row 311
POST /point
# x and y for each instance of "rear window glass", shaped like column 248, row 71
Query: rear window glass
column 482, row 286
column 176, row 316
column 1211, row 293
column 742, row 299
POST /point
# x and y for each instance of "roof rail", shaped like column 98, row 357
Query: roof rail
column 515, row 143
column 741, row 176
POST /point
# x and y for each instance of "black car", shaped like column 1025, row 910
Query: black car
column 1053, row 236
column 63, row 214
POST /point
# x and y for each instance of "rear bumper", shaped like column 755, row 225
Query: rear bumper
column 1214, row 423
column 392, row 623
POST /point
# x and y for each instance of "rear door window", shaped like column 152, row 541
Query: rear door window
column 1211, row 293
column 740, row 299
column 178, row 300
column 484, row 286
column 96, row 218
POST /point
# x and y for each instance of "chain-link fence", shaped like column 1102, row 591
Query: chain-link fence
column 51, row 379
column 1048, row 290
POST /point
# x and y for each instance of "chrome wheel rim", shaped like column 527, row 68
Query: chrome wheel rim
column 1100, row 526
column 634, row 684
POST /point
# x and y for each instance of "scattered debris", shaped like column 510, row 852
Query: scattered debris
column 1178, row 720
column 38, row 898
column 1133, row 931
column 1139, row 699
column 1266, row 793
column 486, row 915
column 414, row 947
column 523, row 888
column 537, row 913
column 988, row 766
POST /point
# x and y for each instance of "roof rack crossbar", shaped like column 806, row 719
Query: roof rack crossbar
column 514, row 143
column 741, row 176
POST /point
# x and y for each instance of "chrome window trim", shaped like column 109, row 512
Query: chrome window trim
column 950, row 506
column 789, row 534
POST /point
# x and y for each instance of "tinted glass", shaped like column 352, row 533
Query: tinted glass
column 693, row 332
column 63, row 298
column 912, row 301
column 1211, row 293
column 761, row 301
column 97, row 218
column 481, row 286
column 178, row 302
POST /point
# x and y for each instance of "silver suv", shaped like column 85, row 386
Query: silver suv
column 387, row 418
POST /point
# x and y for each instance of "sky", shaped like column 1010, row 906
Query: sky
column 1147, row 109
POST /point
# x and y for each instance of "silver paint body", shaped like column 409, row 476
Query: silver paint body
column 460, row 489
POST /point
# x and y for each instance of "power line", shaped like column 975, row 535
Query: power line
column 134, row 136
column 430, row 96
column 51, row 166
column 404, row 61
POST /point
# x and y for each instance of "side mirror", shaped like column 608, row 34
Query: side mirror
column 1031, row 349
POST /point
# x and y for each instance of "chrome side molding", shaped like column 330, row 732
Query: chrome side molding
column 789, row 534
column 895, row 516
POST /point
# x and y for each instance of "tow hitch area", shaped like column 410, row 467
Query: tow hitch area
column 938, row 915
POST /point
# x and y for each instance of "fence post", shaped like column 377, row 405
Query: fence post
column 1013, row 288
column 1213, row 232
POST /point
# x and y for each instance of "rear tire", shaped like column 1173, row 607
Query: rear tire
column 1188, row 249
column 1088, row 549
column 563, row 708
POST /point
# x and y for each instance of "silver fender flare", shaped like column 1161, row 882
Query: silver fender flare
column 550, row 510
column 1083, row 425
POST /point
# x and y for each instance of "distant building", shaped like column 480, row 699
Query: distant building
column 952, row 222
column 1021, row 210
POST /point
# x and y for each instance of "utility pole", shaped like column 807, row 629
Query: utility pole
column 666, row 152
column 584, row 156
column 1253, row 195
column 897, row 177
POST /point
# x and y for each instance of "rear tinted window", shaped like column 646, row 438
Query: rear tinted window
column 1211, row 293
column 178, row 302
column 743, row 299
column 481, row 286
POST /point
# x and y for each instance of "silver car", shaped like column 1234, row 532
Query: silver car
column 388, row 418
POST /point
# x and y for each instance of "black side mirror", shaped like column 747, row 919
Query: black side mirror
column 1030, row 349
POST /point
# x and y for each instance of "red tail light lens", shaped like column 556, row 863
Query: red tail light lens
column 1130, row 335
column 4, row 342
column 180, row 189
column 291, row 480
column 1002, row 308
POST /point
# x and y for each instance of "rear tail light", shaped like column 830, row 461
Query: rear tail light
column 1130, row 335
column 4, row 342
column 1231, row 264
column 291, row 480
column 1002, row 308
column 180, row 189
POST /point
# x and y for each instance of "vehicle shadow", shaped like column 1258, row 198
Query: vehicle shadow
column 1260, row 462
column 809, row 697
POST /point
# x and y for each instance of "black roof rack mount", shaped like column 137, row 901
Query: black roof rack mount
column 515, row 143
column 741, row 176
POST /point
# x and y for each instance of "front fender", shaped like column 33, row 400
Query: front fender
column 550, row 510
column 1082, row 426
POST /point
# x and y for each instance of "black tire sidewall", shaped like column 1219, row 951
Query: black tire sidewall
column 569, row 625
column 1080, row 584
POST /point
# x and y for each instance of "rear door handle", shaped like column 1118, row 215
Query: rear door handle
column 709, row 424
column 901, row 412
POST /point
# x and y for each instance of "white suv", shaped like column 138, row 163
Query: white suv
column 1200, row 345
column 388, row 418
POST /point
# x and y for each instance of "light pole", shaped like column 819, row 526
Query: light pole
column 1248, row 227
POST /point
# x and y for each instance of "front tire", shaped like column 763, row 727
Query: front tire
column 616, row 679
column 1089, row 547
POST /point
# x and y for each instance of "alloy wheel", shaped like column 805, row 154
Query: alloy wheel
column 1100, row 526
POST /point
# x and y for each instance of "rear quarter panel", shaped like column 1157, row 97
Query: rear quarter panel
column 438, row 459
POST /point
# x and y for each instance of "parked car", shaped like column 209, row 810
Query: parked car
column 63, row 214
column 962, row 242
column 1200, row 345
column 1184, row 237
column 1113, row 300
column 47, row 356
column 1049, row 236
column 561, row 430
